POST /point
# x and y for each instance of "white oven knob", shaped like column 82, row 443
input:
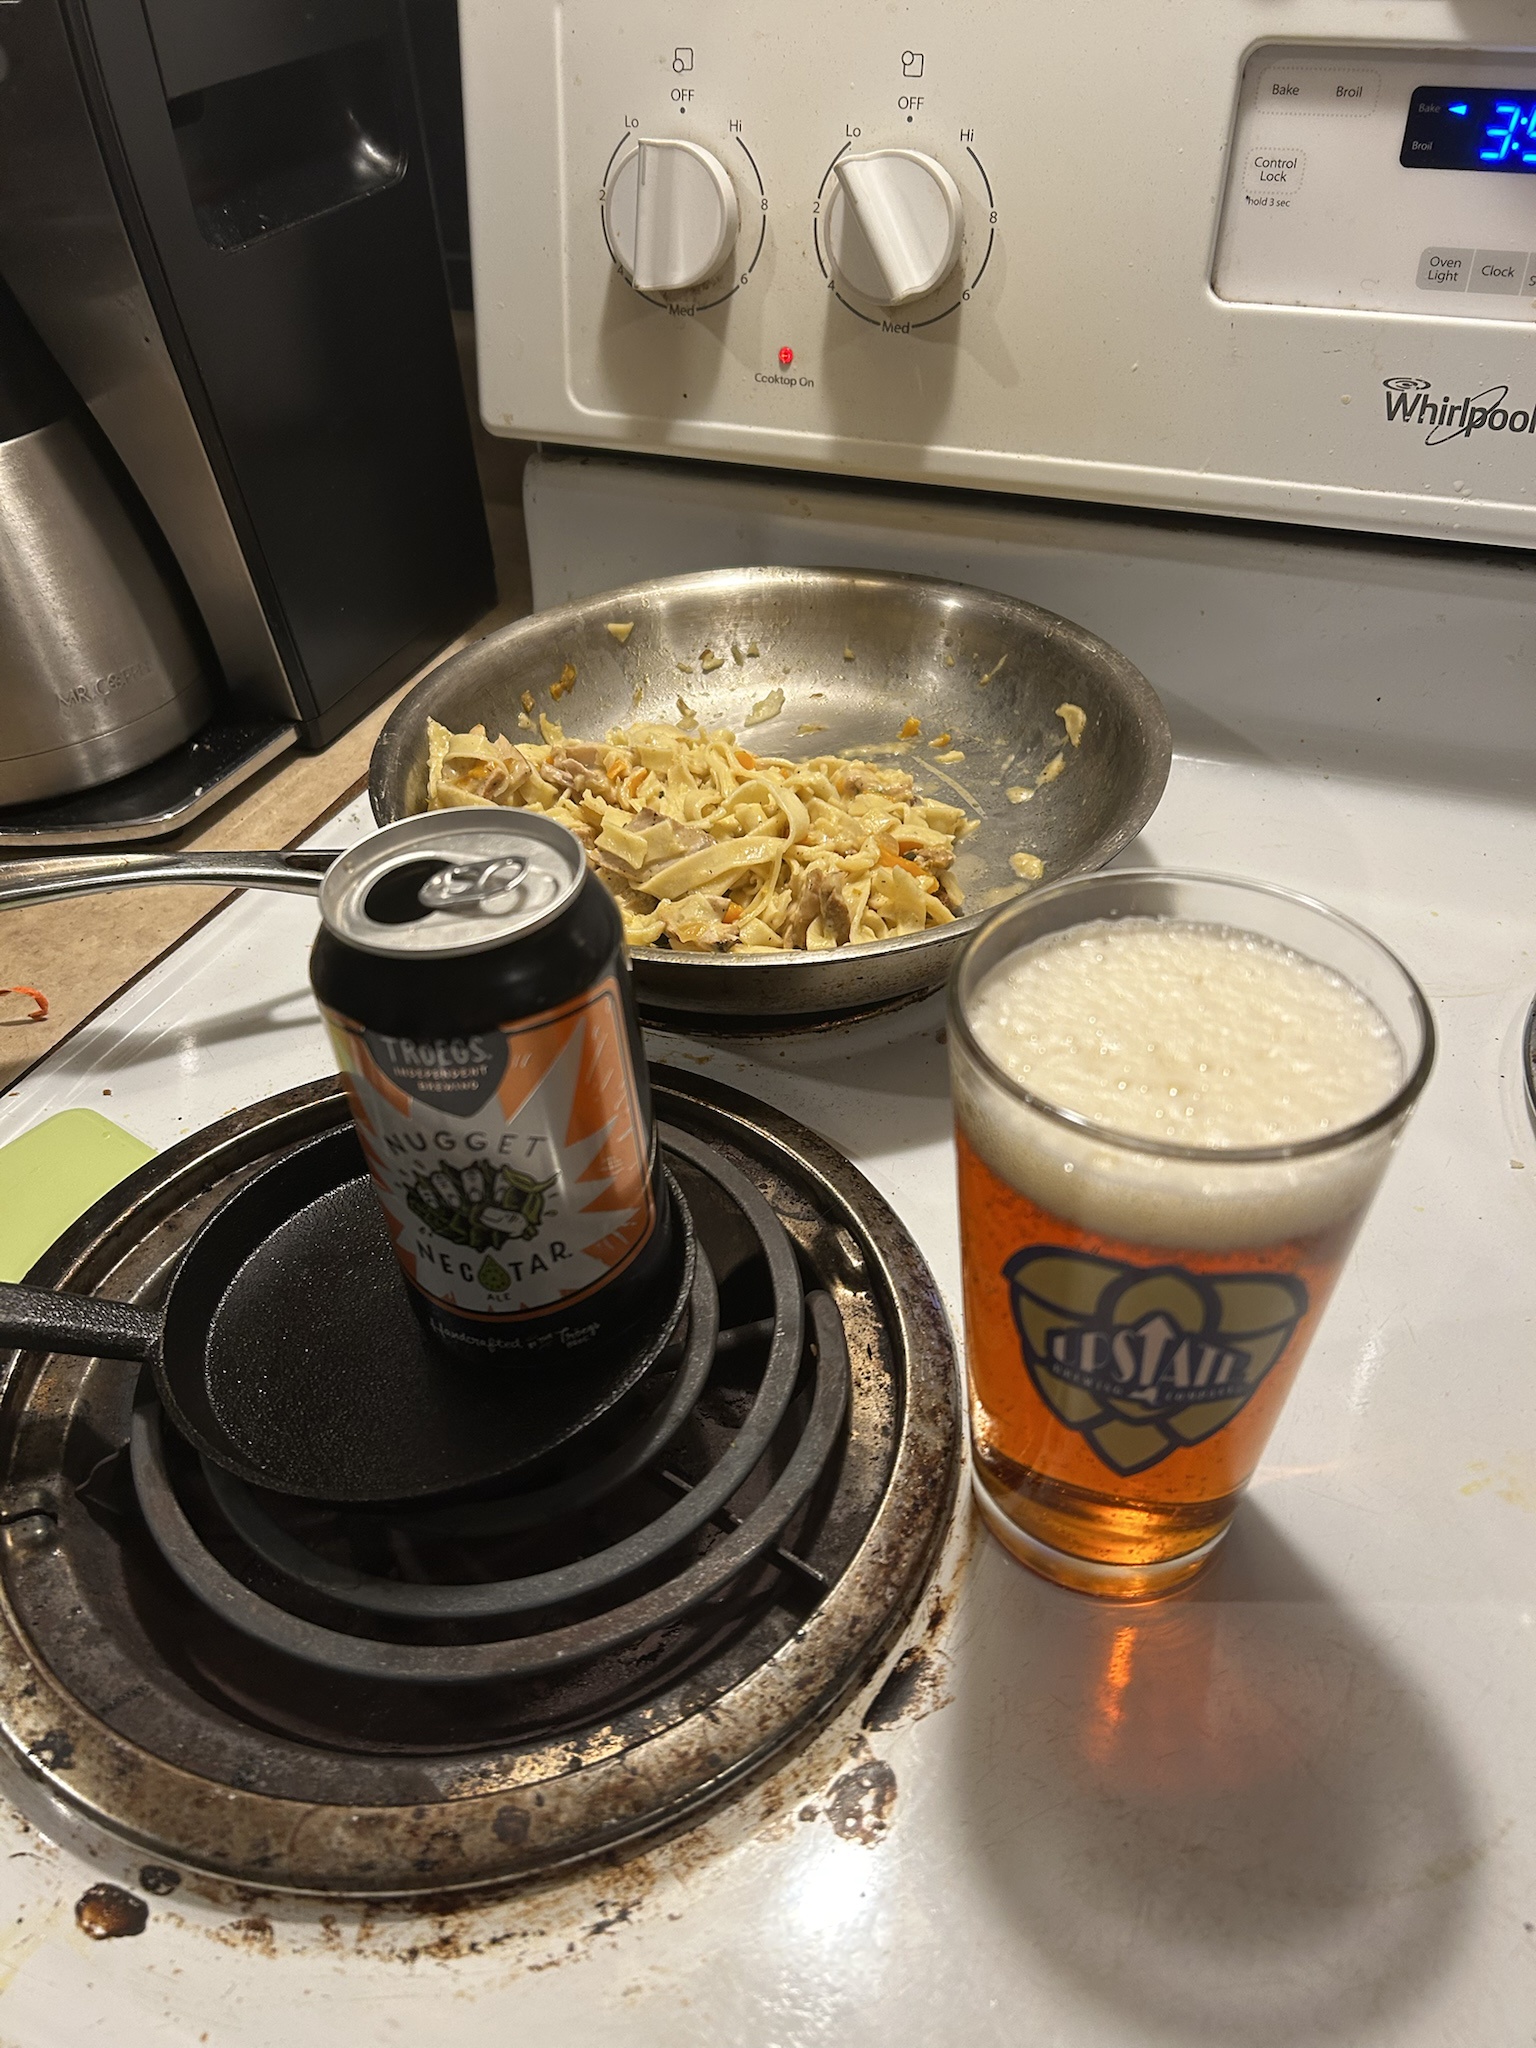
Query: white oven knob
column 671, row 213
column 894, row 223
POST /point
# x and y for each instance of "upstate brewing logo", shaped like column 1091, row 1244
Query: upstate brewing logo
column 1143, row 1361
column 1412, row 402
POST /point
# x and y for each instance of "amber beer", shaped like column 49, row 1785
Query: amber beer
column 1139, row 1290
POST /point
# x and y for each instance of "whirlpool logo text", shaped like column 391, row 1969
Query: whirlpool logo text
column 1413, row 402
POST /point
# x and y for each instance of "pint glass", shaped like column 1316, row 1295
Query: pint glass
column 1139, row 1292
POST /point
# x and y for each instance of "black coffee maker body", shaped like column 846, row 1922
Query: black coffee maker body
column 218, row 220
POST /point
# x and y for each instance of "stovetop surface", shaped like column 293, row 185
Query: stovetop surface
column 1293, row 1806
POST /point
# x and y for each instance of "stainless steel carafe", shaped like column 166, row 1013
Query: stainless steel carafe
column 99, row 672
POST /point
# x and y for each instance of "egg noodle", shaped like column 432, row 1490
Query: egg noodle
column 709, row 848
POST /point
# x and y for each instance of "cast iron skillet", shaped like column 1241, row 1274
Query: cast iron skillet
column 287, row 1351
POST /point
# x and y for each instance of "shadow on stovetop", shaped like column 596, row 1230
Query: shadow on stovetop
column 1225, row 1817
column 292, row 1010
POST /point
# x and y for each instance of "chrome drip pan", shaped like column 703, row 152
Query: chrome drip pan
column 373, row 1702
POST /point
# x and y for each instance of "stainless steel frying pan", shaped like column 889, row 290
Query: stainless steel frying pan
column 856, row 655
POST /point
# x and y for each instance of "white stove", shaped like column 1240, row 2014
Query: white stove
column 1163, row 264
column 1294, row 1806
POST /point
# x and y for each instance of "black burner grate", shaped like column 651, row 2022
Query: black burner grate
column 587, row 1656
column 801, row 1341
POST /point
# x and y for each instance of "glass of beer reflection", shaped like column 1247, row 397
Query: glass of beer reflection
column 1175, row 1096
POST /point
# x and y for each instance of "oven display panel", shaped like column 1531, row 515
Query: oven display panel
column 1320, row 209
column 1462, row 128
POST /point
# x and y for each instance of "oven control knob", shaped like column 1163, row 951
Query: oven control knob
column 893, row 225
column 671, row 214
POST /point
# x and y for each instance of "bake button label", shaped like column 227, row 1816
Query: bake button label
column 1445, row 270
column 1315, row 89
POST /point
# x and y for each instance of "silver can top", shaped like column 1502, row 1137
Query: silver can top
column 452, row 882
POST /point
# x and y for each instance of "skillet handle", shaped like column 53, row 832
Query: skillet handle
column 79, row 1325
column 55, row 876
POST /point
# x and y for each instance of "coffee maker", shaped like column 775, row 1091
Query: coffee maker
column 219, row 221
column 102, row 667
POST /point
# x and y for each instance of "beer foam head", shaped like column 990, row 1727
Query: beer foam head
column 1197, row 1039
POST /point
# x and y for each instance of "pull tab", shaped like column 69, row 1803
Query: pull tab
column 473, row 885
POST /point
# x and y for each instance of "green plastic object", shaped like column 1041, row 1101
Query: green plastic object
column 51, row 1174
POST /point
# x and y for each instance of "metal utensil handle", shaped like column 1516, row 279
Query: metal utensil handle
column 79, row 1325
column 83, row 874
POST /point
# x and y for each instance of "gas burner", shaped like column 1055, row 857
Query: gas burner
column 443, row 1693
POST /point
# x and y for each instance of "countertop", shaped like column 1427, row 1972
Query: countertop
column 82, row 953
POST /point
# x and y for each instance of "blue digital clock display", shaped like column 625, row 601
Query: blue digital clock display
column 1470, row 128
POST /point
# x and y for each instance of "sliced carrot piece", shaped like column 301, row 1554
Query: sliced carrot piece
column 37, row 996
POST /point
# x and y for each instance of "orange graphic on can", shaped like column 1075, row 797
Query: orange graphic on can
column 511, row 1164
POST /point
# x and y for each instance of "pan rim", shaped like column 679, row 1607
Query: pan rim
column 1141, row 700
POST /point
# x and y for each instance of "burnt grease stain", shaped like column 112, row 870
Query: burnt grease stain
column 54, row 1750
column 903, row 1685
column 511, row 1825
column 254, row 1933
column 106, row 1913
column 916, row 1683
column 160, row 1879
column 617, row 1918
column 859, row 1805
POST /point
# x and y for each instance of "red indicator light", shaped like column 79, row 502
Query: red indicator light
column 786, row 357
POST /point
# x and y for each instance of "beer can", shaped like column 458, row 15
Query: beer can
column 471, row 971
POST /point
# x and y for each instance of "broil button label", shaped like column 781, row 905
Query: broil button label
column 1318, row 90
